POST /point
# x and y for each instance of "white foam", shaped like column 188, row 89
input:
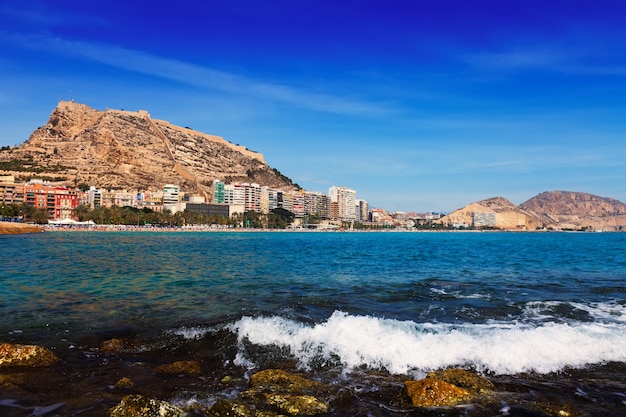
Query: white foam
column 191, row 333
column 406, row 347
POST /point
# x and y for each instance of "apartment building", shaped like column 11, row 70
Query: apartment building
column 345, row 199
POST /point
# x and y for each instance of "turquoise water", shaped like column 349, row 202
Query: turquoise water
column 505, row 304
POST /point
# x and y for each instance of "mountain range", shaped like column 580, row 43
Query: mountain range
column 550, row 209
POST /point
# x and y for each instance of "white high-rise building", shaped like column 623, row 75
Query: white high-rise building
column 346, row 200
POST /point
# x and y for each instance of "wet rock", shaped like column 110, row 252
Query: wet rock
column 140, row 406
column 25, row 355
column 228, row 408
column 179, row 368
column 470, row 381
column 112, row 345
column 430, row 392
column 297, row 405
column 285, row 392
column 281, row 379
column 124, row 383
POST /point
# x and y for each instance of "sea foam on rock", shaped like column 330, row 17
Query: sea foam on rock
column 25, row 355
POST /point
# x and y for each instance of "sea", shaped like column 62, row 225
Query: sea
column 542, row 315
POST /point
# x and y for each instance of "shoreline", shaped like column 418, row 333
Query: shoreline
column 199, row 228
column 13, row 228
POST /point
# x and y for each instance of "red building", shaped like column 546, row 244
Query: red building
column 59, row 202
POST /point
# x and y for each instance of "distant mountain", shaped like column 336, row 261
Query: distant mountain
column 553, row 209
column 576, row 210
column 129, row 150
column 505, row 214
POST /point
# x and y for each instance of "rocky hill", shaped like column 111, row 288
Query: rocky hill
column 505, row 215
column 129, row 150
column 577, row 210
column 553, row 209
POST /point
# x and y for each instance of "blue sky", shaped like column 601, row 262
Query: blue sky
column 418, row 105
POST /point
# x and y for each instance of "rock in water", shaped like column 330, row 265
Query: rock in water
column 429, row 392
column 140, row 406
column 25, row 355
column 470, row 381
column 179, row 368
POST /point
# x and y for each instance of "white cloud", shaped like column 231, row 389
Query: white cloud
column 197, row 75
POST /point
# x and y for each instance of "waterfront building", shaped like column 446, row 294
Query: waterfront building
column 269, row 199
column 209, row 209
column 119, row 198
column 316, row 204
column 59, row 202
column 483, row 219
column 65, row 201
column 285, row 201
column 10, row 191
column 345, row 199
column 297, row 204
column 363, row 209
column 252, row 197
column 94, row 197
column 171, row 196
column 218, row 192
column 234, row 194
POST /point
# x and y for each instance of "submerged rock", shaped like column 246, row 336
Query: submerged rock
column 25, row 355
column 179, row 368
column 140, row 406
column 430, row 392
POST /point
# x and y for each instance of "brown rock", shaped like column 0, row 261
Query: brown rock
column 140, row 406
column 124, row 383
column 297, row 405
column 228, row 408
column 470, row 381
column 112, row 345
column 179, row 368
column 285, row 392
column 430, row 392
column 25, row 355
column 282, row 379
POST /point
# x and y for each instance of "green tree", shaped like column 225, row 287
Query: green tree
column 39, row 216
column 83, row 212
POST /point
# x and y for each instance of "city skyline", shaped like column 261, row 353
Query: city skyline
column 420, row 106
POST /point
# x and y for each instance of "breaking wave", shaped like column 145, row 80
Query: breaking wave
column 407, row 347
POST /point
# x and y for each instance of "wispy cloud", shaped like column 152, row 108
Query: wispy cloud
column 567, row 60
column 519, row 59
column 198, row 75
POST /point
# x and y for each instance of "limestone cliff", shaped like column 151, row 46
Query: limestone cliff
column 129, row 150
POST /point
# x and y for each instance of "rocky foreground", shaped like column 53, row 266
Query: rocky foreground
column 10, row 228
column 270, row 392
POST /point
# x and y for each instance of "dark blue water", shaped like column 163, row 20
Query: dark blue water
column 505, row 304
